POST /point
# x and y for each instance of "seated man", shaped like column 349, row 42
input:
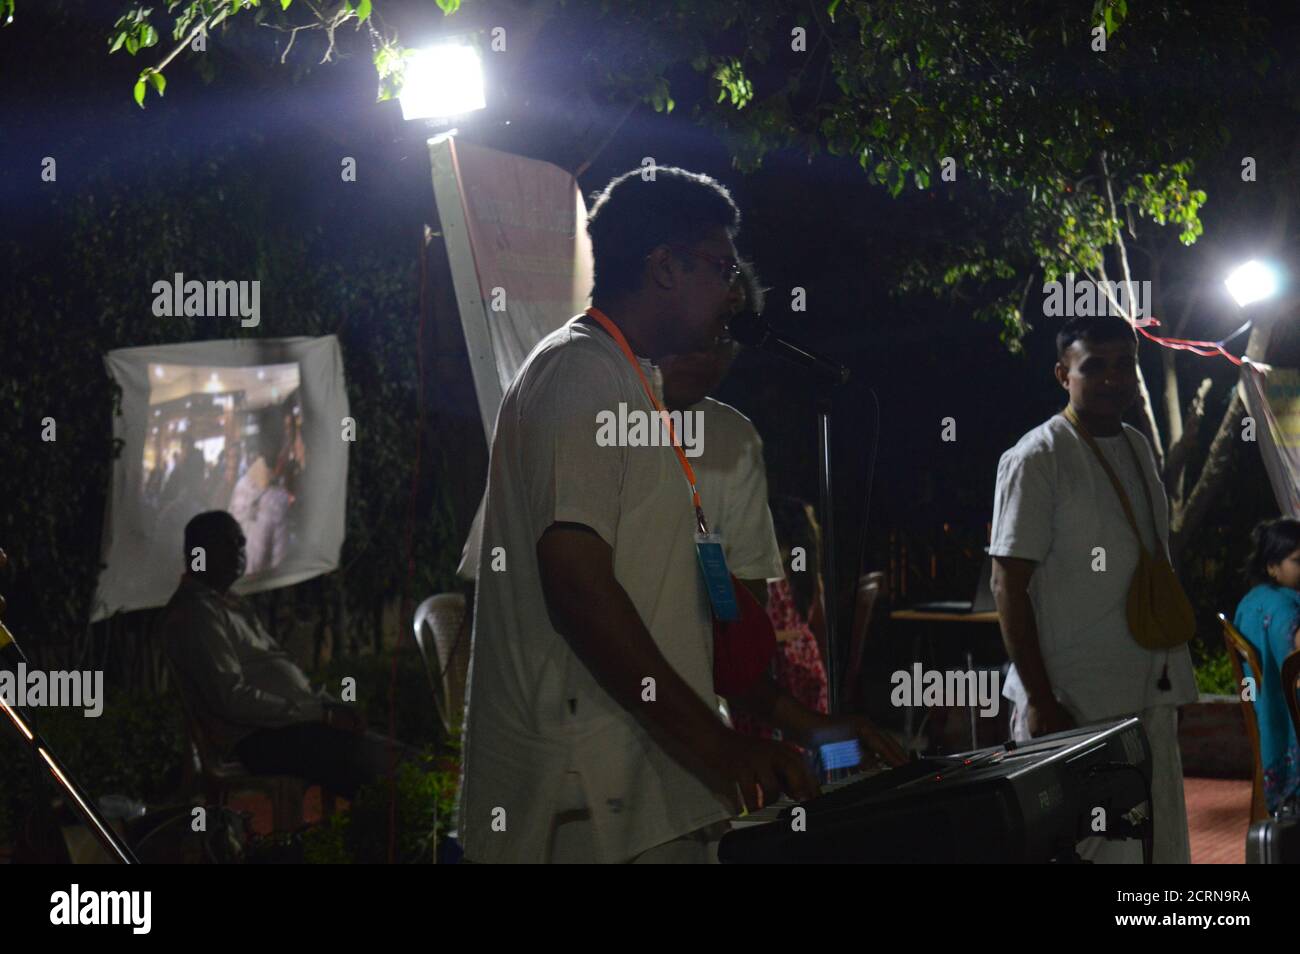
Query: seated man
column 250, row 698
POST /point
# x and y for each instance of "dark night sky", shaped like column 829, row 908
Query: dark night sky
column 817, row 225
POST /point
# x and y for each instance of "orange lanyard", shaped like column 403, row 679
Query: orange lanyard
column 621, row 341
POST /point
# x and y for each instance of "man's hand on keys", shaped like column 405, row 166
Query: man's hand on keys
column 762, row 769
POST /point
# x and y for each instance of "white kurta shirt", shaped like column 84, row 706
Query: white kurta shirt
column 733, row 488
column 535, row 713
column 241, row 679
column 1055, row 505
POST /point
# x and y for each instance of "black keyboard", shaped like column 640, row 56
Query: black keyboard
column 1008, row 803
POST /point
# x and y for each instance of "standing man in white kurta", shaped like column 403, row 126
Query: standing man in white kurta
column 589, row 583
column 1064, row 555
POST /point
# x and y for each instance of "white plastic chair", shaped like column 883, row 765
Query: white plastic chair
column 442, row 633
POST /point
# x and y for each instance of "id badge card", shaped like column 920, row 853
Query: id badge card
column 717, row 578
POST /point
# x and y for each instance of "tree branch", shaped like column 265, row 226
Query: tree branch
column 205, row 25
column 1185, row 521
column 1214, row 475
column 1182, row 448
column 1119, row 234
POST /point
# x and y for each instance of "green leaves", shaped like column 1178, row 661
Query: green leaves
column 148, row 77
column 732, row 81
column 658, row 97
column 1167, row 198
column 133, row 31
column 390, row 63
column 6, row 12
column 1110, row 13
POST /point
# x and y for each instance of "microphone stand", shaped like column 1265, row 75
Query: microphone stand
column 82, row 802
column 826, row 504
column 751, row 330
column 107, row 837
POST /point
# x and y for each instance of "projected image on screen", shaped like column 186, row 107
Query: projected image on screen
column 224, row 439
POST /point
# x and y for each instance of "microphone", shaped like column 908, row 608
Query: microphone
column 751, row 330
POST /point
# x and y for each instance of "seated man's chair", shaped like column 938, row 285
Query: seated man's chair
column 218, row 778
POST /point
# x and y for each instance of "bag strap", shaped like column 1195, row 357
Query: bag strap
column 1070, row 415
column 1146, row 487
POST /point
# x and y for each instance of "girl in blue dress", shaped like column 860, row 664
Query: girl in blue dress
column 1268, row 617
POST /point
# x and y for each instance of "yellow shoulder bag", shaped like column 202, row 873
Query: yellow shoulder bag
column 1159, row 613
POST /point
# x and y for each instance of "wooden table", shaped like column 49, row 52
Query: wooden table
column 924, row 616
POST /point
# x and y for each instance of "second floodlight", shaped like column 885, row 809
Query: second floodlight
column 1251, row 282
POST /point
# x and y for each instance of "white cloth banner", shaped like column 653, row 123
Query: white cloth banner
column 1272, row 398
column 521, row 265
column 253, row 427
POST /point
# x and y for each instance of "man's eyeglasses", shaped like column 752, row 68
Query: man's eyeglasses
column 729, row 268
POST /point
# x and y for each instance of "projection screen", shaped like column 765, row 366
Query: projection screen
column 253, row 427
